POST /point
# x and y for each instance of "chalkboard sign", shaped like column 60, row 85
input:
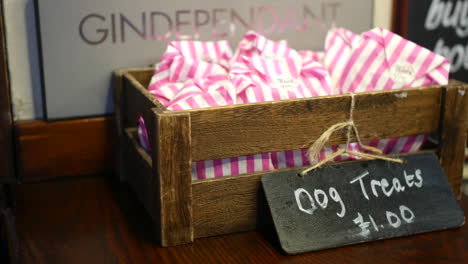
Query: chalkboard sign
column 359, row 202
column 441, row 26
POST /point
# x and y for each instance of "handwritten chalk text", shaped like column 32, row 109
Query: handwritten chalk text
column 309, row 202
column 384, row 186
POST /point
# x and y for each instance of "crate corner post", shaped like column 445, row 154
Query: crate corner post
column 172, row 160
column 453, row 130
column 119, row 108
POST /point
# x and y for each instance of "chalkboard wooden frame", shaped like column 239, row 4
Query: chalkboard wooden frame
column 400, row 17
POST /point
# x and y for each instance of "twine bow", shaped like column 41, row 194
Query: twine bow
column 314, row 150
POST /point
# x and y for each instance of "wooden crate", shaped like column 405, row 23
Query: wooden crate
column 183, row 210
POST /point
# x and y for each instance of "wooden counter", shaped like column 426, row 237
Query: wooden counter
column 93, row 220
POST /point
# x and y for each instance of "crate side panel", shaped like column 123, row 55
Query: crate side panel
column 138, row 172
column 138, row 101
column 142, row 75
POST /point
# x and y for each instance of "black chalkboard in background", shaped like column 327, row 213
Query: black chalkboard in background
column 439, row 25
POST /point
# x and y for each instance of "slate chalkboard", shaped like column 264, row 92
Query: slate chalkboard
column 359, row 202
column 441, row 26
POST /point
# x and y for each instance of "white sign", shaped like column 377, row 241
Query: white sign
column 83, row 41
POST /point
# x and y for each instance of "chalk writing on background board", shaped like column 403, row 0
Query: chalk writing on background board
column 450, row 15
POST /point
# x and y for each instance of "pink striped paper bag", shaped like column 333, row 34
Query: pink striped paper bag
column 185, row 60
column 386, row 61
column 266, row 70
column 211, row 91
column 383, row 60
column 339, row 43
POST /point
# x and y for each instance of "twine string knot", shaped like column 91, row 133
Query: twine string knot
column 314, row 150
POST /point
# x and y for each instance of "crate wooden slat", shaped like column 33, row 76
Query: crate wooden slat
column 225, row 205
column 183, row 210
column 238, row 130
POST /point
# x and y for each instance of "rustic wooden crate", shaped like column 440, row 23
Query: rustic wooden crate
column 183, row 210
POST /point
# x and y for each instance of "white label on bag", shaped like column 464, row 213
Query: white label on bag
column 402, row 73
column 271, row 56
column 286, row 83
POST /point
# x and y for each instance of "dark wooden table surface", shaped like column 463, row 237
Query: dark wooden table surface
column 93, row 220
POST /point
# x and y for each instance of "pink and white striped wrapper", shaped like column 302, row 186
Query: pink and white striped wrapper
column 211, row 91
column 186, row 60
column 385, row 61
column 381, row 60
column 339, row 43
column 266, row 70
